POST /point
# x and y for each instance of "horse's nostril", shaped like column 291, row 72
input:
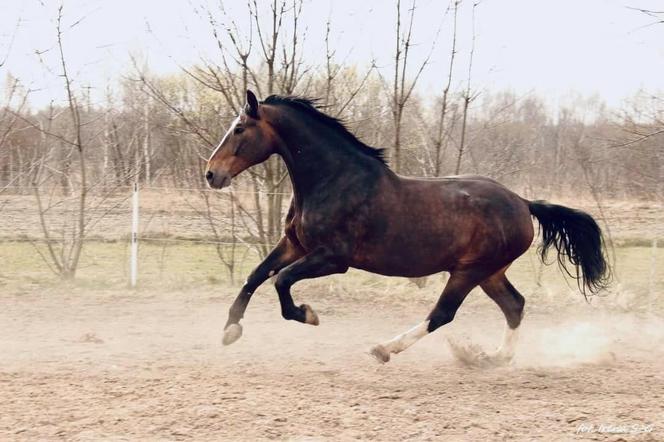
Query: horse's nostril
column 209, row 176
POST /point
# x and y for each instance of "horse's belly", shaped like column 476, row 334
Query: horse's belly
column 411, row 260
column 403, row 271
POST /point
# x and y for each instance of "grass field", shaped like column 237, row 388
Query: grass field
column 181, row 254
column 173, row 266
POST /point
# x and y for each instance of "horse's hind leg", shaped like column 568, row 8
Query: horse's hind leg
column 511, row 303
column 456, row 290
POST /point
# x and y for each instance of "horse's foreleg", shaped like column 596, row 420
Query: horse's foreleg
column 458, row 286
column 320, row 262
column 282, row 255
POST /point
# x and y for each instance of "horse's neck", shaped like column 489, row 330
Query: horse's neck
column 315, row 165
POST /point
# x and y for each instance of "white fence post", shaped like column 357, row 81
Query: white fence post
column 134, row 238
column 653, row 271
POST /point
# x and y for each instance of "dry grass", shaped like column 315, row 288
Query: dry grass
column 639, row 281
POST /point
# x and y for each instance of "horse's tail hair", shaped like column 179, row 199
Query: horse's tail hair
column 578, row 240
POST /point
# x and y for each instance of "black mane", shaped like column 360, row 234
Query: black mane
column 308, row 106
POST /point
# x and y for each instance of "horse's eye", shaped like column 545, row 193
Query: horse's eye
column 238, row 130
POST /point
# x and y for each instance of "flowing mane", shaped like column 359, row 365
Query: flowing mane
column 308, row 106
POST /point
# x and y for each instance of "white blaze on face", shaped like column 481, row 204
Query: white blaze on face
column 228, row 132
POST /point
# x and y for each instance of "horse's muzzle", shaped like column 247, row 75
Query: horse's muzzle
column 218, row 180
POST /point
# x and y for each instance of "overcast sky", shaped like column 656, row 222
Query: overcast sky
column 551, row 47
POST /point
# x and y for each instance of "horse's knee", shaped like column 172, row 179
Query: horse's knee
column 248, row 287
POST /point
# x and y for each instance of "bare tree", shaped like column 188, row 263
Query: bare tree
column 11, row 170
column 331, row 71
column 65, row 134
column 6, row 50
column 66, row 262
column 657, row 16
column 441, row 137
column 401, row 88
column 468, row 97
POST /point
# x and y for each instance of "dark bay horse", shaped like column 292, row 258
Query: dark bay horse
column 350, row 210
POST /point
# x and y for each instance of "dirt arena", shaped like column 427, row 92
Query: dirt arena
column 83, row 365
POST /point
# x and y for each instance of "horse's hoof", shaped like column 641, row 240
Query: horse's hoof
column 381, row 354
column 310, row 316
column 232, row 333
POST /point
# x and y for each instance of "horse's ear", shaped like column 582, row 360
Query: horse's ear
column 251, row 108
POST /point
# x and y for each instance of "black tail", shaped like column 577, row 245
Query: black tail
column 578, row 239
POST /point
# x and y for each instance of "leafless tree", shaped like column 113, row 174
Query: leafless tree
column 402, row 88
column 468, row 97
column 440, row 141
column 657, row 17
column 60, row 169
column 14, row 104
column 66, row 262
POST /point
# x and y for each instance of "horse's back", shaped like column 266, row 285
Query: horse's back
column 465, row 192
column 476, row 202
column 441, row 224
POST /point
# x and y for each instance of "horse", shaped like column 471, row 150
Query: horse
column 350, row 210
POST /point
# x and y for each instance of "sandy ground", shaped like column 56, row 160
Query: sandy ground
column 150, row 366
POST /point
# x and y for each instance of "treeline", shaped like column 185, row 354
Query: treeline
column 162, row 129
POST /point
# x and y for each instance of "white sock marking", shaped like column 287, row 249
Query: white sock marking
column 510, row 338
column 405, row 340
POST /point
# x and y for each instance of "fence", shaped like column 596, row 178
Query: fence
column 192, row 234
column 161, row 216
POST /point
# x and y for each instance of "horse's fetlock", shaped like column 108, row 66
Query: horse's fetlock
column 235, row 313
column 288, row 315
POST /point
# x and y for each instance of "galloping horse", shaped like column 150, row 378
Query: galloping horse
column 350, row 210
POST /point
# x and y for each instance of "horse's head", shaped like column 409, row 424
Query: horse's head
column 249, row 141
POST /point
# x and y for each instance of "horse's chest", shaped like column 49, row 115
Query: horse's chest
column 313, row 229
column 304, row 229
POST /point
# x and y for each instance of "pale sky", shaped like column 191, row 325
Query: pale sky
column 555, row 48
